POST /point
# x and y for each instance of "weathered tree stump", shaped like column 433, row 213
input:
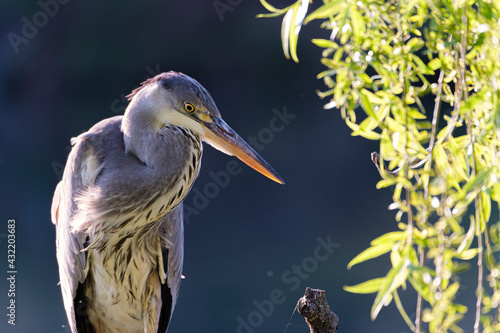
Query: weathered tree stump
column 314, row 308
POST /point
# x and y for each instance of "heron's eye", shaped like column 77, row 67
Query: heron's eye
column 189, row 107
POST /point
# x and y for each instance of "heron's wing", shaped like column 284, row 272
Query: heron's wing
column 82, row 168
column 170, row 268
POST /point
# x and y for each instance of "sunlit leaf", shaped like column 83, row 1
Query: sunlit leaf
column 477, row 180
column 394, row 125
column 366, row 104
column 421, row 287
column 486, row 205
column 394, row 279
column 421, row 65
column 328, row 9
column 290, row 28
column 401, row 309
column 468, row 238
column 272, row 8
column 390, row 237
column 451, row 290
column 468, row 254
column 413, row 113
column 475, row 101
column 370, row 135
column 325, row 43
column 286, row 26
column 385, row 183
column 358, row 24
column 370, row 253
column 368, row 287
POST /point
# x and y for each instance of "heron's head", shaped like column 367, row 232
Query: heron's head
column 176, row 99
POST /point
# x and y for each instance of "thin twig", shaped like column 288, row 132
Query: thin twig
column 432, row 141
column 478, row 202
column 437, row 110
column 421, row 250
column 290, row 320
column 455, row 113
column 479, row 290
column 491, row 261
column 420, row 299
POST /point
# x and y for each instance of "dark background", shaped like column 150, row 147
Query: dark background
column 75, row 69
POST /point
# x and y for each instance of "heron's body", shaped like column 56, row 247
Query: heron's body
column 118, row 208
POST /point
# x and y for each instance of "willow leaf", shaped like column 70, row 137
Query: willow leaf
column 367, row 287
column 370, row 253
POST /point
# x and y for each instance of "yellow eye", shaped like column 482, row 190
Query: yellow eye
column 189, row 107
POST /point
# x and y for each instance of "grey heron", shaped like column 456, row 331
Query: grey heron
column 118, row 207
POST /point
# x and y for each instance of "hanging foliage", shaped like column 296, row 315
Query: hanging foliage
column 386, row 63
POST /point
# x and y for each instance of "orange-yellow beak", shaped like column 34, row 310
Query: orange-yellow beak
column 224, row 138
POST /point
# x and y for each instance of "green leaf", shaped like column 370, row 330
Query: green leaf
column 269, row 15
column 414, row 44
column 468, row 238
column 290, row 28
column 468, row 254
column 450, row 292
column 394, row 125
column 367, row 105
column 394, row 279
column 287, row 32
column 441, row 160
column 368, row 287
column 358, row 24
column 390, row 237
column 272, row 8
column 328, row 9
column 413, row 113
column 325, row 43
column 353, row 126
column 370, row 135
column 421, row 287
column 402, row 311
column 420, row 65
column 386, row 183
column 373, row 98
column 370, row 253
column 477, row 180
column 328, row 72
column 435, row 64
column 368, row 124
column 338, row 55
column 386, row 147
column 486, row 205
column 475, row 101
column 294, row 35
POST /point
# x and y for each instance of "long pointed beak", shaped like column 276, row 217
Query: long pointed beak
column 224, row 138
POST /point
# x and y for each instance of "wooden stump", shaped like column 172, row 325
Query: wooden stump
column 314, row 308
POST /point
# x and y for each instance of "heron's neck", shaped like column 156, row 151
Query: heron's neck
column 139, row 127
